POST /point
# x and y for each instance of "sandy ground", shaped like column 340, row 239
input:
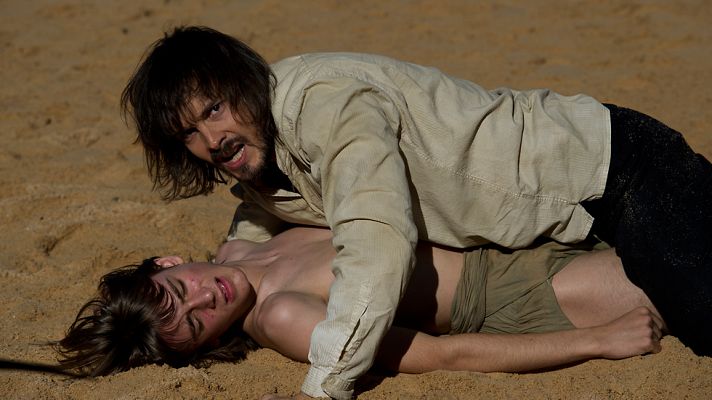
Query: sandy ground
column 76, row 201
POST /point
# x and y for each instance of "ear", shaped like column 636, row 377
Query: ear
column 168, row 261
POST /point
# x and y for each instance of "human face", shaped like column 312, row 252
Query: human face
column 221, row 137
column 208, row 299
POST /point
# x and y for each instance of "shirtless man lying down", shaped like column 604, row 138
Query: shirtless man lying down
column 488, row 309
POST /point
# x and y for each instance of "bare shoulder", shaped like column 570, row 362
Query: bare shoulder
column 290, row 242
column 284, row 322
column 235, row 250
column 302, row 235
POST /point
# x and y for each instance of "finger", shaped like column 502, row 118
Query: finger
column 658, row 332
column 657, row 325
column 658, row 321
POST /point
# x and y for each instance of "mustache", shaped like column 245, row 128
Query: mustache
column 224, row 153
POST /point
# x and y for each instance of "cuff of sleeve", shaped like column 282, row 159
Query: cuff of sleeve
column 319, row 383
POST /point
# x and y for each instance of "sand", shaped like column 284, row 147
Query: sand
column 76, row 201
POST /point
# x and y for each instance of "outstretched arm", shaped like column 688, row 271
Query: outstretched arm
column 637, row 332
column 287, row 319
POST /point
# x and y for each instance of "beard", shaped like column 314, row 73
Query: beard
column 262, row 172
column 231, row 148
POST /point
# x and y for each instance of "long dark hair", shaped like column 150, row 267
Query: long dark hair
column 121, row 328
column 190, row 62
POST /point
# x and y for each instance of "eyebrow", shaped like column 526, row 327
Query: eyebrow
column 180, row 295
column 205, row 114
column 208, row 106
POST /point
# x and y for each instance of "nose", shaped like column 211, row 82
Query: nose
column 202, row 298
column 210, row 136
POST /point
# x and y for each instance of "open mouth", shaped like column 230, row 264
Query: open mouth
column 235, row 159
column 224, row 289
column 229, row 152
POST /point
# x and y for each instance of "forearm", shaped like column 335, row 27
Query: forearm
column 637, row 332
column 481, row 352
column 352, row 144
column 518, row 352
column 361, row 306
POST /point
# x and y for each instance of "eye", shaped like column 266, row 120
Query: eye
column 177, row 289
column 193, row 325
column 215, row 110
column 183, row 289
column 187, row 135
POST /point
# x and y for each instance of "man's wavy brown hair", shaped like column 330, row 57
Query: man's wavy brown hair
column 187, row 63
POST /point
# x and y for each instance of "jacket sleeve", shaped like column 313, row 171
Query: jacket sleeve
column 350, row 133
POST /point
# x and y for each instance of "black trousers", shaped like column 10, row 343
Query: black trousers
column 657, row 212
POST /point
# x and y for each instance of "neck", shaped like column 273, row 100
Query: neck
column 254, row 268
column 272, row 179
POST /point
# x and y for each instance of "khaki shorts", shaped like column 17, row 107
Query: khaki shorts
column 509, row 291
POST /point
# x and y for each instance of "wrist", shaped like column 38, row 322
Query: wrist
column 312, row 382
column 594, row 344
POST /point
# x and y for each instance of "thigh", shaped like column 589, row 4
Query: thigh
column 593, row 289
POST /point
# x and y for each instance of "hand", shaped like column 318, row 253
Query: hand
column 636, row 332
column 298, row 396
